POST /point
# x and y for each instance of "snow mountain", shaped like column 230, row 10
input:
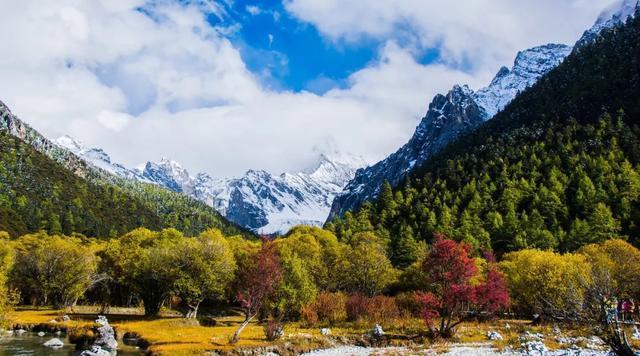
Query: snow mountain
column 462, row 109
column 259, row 200
column 97, row 157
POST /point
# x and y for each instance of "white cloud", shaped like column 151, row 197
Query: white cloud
column 169, row 84
column 253, row 10
column 482, row 32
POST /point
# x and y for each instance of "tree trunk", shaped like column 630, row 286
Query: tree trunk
column 192, row 311
column 236, row 335
column 618, row 341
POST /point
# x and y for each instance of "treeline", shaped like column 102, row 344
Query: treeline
column 39, row 194
column 550, row 186
column 557, row 169
column 311, row 276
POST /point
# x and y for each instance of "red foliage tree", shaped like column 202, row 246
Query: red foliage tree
column 492, row 295
column 453, row 298
column 256, row 282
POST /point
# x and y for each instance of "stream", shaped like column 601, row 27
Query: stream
column 30, row 343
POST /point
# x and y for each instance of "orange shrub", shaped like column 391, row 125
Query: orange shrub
column 383, row 309
column 327, row 308
column 409, row 304
column 358, row 307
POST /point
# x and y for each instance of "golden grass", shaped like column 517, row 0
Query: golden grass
column 172, row 335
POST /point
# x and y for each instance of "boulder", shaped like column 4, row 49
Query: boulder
column 41, row 333
column 95, row 351
column 535, row 348
column 106, row 335
column 494, row 335
column 54, row 343
column 325, row 331
column 377, row 331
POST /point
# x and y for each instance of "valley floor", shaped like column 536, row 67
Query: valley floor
column 173, row 335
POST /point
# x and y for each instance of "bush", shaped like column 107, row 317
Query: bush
column 309, row 316
column 328, row 308
column 409, row 304
column 383, row 310
column 273, row 330
column 378, row 309
column 358, row 307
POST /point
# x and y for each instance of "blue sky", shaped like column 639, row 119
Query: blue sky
column 289, row 54
column 224, row 86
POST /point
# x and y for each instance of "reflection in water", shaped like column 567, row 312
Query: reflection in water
column 31, row 344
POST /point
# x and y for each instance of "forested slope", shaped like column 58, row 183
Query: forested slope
column 558, row 168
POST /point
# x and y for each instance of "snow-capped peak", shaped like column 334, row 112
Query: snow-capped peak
column 528, row 66
column 96, row 157
column 69, row 143
column 613, row 16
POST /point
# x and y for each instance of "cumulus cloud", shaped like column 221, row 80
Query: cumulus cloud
column 476, row 33
column 163, row 82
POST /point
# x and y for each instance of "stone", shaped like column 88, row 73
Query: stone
column 494, row 335
column 535, row 348
column 41, row 333
column 54, row 343
column 106, row 335
column 325, row 331
column 66, row 318
column 20, row 331
column 95, row 351
column 377, row 331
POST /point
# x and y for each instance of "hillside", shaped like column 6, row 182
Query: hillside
column 463, row 109
column 45, row 187
column 557, row 168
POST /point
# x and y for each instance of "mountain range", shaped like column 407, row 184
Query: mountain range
column 258, row 200
column 44, row 186
column 462, row 109
column 268, row 203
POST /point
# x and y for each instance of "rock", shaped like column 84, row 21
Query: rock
column 595, row 341
column 54, row 343
column 41, row 333
column 535, row 348
column 20, row 331
column 95, row 351
column 106, row 336
column 325, row 331
column 494, row 335
column 377, row 331
column 66, row 318
column 527, row 335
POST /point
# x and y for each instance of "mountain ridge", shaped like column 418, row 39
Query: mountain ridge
column 436, row 130
column 258, row 200
column 171, row 209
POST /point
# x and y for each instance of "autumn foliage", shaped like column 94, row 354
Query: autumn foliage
column 453, row 296
column 257, row 282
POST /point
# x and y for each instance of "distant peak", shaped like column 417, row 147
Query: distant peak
column 337, row 158
column 613, row 16
column 69, row 143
